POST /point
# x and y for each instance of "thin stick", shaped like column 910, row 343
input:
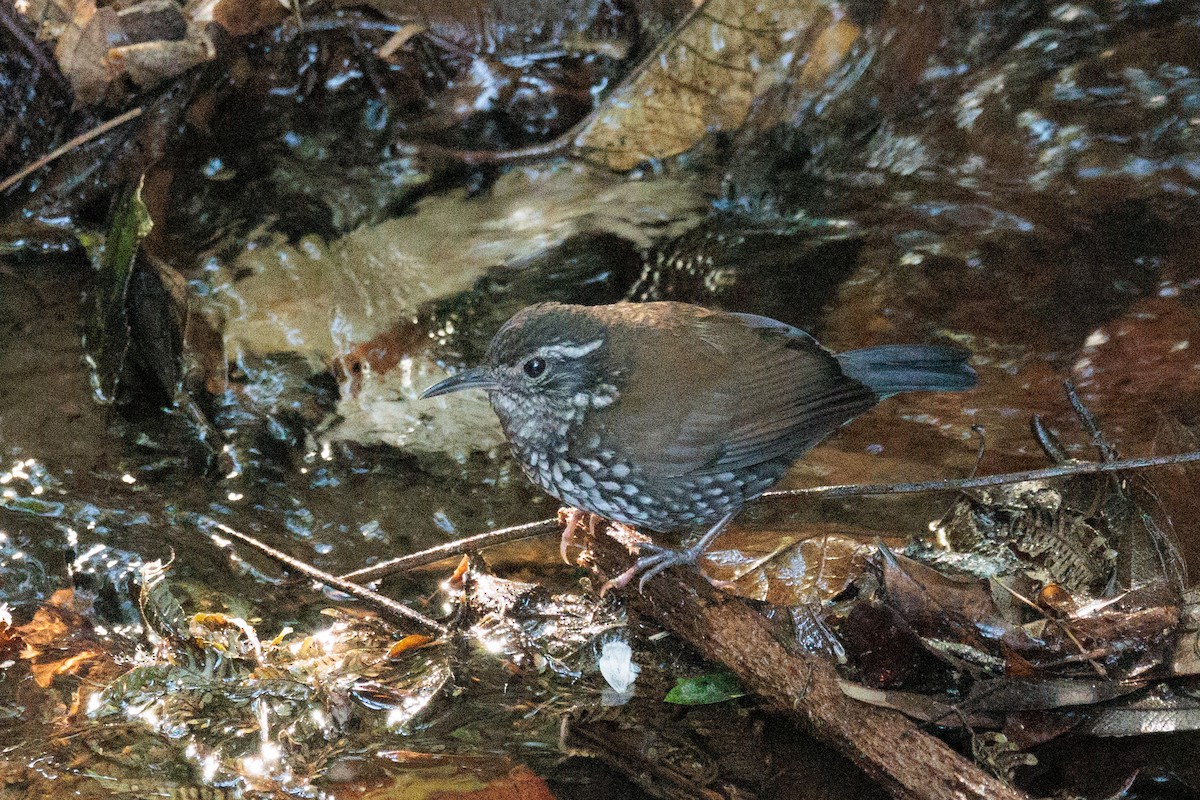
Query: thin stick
column 14, row 27
column 452, row 549
column 82, row 138
column 984, row 481
column 504, row 535
column 403, row 612
column 1088, row 420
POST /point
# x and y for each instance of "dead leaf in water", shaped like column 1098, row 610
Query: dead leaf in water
column 791, row 568
column 58, row 640
column 707, row 75
column 44, row 672
column 446, row 776
column 82, row 49
column 939, row 607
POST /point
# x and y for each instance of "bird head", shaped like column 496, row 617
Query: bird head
column 545, row 369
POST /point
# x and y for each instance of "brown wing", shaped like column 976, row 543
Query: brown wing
column 718, row 392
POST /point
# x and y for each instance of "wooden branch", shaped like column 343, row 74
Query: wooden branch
column 984, row 481
column 890, row 748
column 386, row 605
column 457, row 548
column 58, row 152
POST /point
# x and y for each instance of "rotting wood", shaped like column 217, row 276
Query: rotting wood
column 891, row 749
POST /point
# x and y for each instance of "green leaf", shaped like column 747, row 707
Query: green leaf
column 106, row 337
column 704, row 689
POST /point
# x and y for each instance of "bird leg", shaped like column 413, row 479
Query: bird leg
column 570, row 519
column 661, row 558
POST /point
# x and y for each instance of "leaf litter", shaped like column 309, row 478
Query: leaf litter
column 1037, row 598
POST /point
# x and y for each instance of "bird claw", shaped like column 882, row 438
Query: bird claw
column 660, row 558
column 570, row 519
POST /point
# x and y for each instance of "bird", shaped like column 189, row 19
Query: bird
column 667, row 416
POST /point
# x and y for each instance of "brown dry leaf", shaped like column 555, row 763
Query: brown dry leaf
column 706, row 76
column 242, row 17
column 82, row 49
column 150, row 42
column 148, row 63
column 445, row 776
column 792, row 568
column 50, row 17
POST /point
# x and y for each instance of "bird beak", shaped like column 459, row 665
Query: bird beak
column 475, row 378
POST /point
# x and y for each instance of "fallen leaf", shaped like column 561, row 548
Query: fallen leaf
column 150, row 63
column 82, row 49
column 707, row 75
column 412, row 642
column 242, row 17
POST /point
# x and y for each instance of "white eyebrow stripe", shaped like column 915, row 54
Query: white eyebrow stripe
column 568, row 350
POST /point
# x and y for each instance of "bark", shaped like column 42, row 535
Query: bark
column 890, row 748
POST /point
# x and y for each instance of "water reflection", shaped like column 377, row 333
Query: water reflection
column 1020, row 181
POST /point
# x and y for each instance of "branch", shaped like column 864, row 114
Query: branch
column 458, row 547
column 890, row 748
column 387, row 605
column 984, row 481
column 58, row 152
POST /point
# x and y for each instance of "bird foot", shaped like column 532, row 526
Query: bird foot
column 659, row 559
column 571, row 519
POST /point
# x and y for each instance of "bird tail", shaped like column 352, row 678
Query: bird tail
column 896, row 368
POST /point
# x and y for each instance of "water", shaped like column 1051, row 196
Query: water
column 1034, row 200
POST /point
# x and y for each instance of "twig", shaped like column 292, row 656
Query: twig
column 452, row 549
column 399, row 39
column 386, row 604
column 1096, row 665
column 481, row 541
column 58, row 152
column 559, row 145
column 982, row 434
column 1088, row 420
column 14, row 27
column 984, row 481
column 1048, row 441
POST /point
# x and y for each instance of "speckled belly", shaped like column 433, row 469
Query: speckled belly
column 616, row 491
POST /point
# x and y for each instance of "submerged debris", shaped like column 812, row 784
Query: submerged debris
column 1033, row 529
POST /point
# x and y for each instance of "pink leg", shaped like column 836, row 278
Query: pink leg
column 570, row 519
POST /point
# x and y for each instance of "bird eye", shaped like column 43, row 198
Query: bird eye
column 535, row 366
